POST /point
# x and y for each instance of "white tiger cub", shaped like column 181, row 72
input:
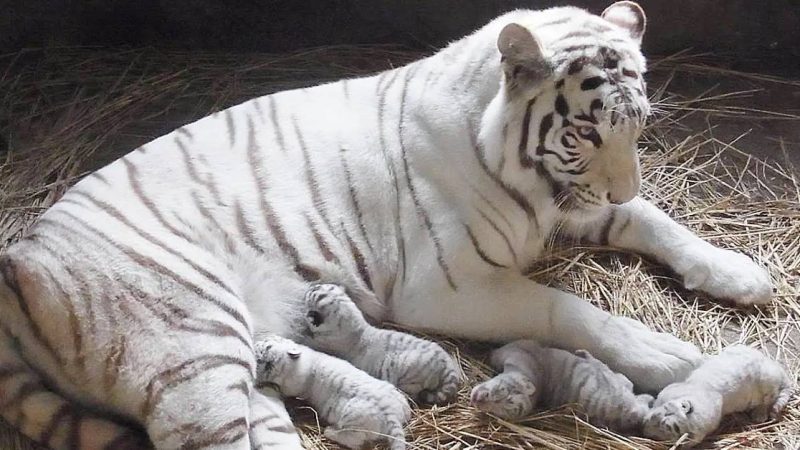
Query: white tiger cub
column 418, row 367
column 359, row 408
column 738, row 379
column 533, row 374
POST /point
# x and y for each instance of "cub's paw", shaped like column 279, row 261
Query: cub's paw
column 727, row 275
column 649, row 359
column 442, row 387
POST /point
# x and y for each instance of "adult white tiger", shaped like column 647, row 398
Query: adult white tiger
column 430, row 185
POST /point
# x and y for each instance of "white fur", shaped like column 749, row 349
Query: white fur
column 737, row 379
column 359, row 409
column 420, row 368
column 422, row 151
column 537, row 376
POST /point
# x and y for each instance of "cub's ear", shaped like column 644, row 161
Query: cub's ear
column 629, row 16
column 528, row 389
column 522, row 56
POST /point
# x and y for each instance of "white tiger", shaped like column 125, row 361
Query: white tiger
column 359, row 409
column 738, row 379
column 420, row 368
column 431, row 185
column 533, row 375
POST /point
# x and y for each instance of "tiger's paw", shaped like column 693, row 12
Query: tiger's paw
column 651, row 360
column 727, row 275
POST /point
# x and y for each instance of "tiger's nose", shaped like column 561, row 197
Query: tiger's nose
column 613, row 199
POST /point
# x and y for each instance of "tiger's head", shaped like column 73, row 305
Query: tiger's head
column 573, row 104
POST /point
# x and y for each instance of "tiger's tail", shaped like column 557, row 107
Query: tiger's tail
column 32, row 408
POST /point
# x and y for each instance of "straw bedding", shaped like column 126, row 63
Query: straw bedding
column 67, row 111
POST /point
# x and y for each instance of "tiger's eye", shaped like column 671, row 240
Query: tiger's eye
column 585, row 130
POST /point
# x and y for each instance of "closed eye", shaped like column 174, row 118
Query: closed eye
column 316, row 318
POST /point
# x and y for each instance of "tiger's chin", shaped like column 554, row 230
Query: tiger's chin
column 580, row 208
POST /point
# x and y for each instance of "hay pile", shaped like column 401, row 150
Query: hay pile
column 68, row 111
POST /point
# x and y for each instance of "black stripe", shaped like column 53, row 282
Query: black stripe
column 479, row 250
column 576, row 48
column 208, row 183
column 273, row 117
column 513, row 193
column 575, row 34
column 401, row 263
column 311, row 177
column 630, row 73
column 358, row 258
column 324, row 247
column 133, row 178
column 354, row 199
column 503, row 235
column 556, row 22
column 55, row 420
column 97, row 175
column 525, row 159
column 231, row 127
column 185, row 132
column 8, row 270
column 258, row 169
column 421, row 211
column 175, row 375
column 624, row 225
column 592, row 83
column 544, row 127
column 257, row 107
column 561, row 106
column 606, row 230
column 117, row 214
column 156, row 267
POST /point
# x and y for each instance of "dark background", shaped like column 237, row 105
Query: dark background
column 759, row 32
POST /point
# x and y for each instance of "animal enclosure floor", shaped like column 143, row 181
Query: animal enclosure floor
column 718, row 156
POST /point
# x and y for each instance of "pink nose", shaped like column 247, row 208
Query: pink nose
column 478, row 396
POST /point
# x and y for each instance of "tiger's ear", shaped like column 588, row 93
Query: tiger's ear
column 522, row 56
column 629, row 16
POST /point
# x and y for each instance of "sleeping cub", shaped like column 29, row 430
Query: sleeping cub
column 360, row 409
column 534, row 375
column 737, row 379
column 418, row 367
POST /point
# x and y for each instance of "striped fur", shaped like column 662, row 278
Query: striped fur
column 359, row 409
column 420, row 368
column 533, row 375
column 424, row 191
column 738, row 379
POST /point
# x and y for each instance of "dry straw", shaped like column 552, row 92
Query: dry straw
column 67, row 111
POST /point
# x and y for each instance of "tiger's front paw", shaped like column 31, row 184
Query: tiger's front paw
column 649, row 359
column 727, row 275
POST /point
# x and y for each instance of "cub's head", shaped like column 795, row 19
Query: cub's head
column 276, row 357
column 572, row 103
column 510, row 395
column 683, row 409
column 331, row 313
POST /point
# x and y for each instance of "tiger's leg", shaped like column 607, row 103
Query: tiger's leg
column 270, row 425
column 506, row 306
column 151, row 346
column 639, row 226
column 50, row 419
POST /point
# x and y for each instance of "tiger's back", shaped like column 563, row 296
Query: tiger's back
column 119, row 295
